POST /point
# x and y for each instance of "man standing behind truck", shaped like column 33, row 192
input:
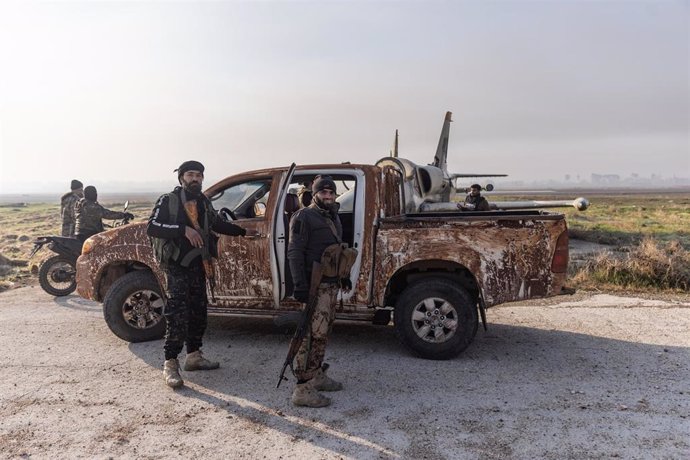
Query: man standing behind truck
column 67, row 202
column 180, row 228
column 474, row 201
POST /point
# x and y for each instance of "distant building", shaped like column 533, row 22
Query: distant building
column 605, row 179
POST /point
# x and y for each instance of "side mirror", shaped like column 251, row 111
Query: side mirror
column 259, row 209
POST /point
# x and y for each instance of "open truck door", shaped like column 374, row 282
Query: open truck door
column 278, row 237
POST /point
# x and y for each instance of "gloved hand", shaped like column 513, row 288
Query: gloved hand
column 129, row 216
column 301, row 295
column 345, row 284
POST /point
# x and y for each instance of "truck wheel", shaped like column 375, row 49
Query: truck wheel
column 435, row 318
column 133, row 307
column 57, row 276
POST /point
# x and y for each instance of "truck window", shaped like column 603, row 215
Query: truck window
column 246, row 200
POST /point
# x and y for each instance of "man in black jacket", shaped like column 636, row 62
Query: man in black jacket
column 312, row 230
column 474, row 201
column 181, row 229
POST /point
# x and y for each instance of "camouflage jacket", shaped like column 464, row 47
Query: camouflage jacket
column 67, row 213
column 90, row 215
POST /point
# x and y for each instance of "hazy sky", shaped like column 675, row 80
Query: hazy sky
column 125, row 91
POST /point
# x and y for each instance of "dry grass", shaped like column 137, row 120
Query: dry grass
column 649, row 265
column 22, row 224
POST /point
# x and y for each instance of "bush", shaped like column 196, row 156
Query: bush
column 649, row 265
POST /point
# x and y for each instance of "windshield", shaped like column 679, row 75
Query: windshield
column 233, row 197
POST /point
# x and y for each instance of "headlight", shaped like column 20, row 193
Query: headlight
column 88, row 245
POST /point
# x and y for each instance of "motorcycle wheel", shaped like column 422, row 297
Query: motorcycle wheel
column 57, row 276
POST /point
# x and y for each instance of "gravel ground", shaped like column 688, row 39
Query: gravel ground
column 587, row 376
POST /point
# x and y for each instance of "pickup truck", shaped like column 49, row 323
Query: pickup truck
column 435, row 268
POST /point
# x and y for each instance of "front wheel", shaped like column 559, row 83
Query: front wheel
column 57, row 276
column 133, row 307
column 436, row 318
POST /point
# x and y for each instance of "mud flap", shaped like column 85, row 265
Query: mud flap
column 482, row 309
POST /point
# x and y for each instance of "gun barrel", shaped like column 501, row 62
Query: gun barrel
column 580, row 204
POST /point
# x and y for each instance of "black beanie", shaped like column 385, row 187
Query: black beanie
column 190, row 165
column 75, row 184
column 322, row 183
column 90, row 193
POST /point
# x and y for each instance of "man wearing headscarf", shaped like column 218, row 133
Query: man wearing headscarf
column 181, row 229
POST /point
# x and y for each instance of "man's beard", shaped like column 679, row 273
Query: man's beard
column 325, row 206
column 193, row 188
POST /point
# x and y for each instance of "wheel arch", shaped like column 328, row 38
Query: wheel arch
column 439, row 268
column 114, row 270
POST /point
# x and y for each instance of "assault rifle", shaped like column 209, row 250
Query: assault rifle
column 193, row 214
column 305, row 320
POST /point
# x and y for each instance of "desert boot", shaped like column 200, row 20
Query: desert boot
column 195, row 361
column 171, row 373
column 304, row 394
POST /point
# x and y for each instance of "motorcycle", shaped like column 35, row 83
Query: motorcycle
column 58, row 274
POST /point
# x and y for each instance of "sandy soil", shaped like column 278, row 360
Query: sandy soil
column 589, row 376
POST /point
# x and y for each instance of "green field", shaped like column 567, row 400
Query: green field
column 626, row 219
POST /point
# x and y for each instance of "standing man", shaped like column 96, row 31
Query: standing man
column 474, row 201
column 180, row 228
column 90, row 214
column 312, row 230
column 67, row 202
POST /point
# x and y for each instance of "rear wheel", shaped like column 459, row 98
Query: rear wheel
column 133, row 307
column 57, row 276
column 436, row 318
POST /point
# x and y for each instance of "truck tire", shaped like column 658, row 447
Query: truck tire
column 57, row 276
column 133, row 307
column 435, row 318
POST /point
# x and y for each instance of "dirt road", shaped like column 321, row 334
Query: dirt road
column 585, row 376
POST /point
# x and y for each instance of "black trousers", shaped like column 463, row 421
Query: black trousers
column 185, row 308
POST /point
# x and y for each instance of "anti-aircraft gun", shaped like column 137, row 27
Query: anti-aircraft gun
column 432, row 188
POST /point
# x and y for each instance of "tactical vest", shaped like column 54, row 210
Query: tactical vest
column 167, row 250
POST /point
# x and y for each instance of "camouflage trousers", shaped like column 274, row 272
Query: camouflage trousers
column 185, row 309
column 310, row 355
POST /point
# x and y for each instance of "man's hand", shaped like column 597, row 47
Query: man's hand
column 301, row 295
column 193, row 237
column 345, row 284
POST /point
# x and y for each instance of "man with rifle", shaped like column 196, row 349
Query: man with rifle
column 181, row 230
column 314, row 254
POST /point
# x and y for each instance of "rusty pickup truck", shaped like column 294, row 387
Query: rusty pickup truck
column 432, row 269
